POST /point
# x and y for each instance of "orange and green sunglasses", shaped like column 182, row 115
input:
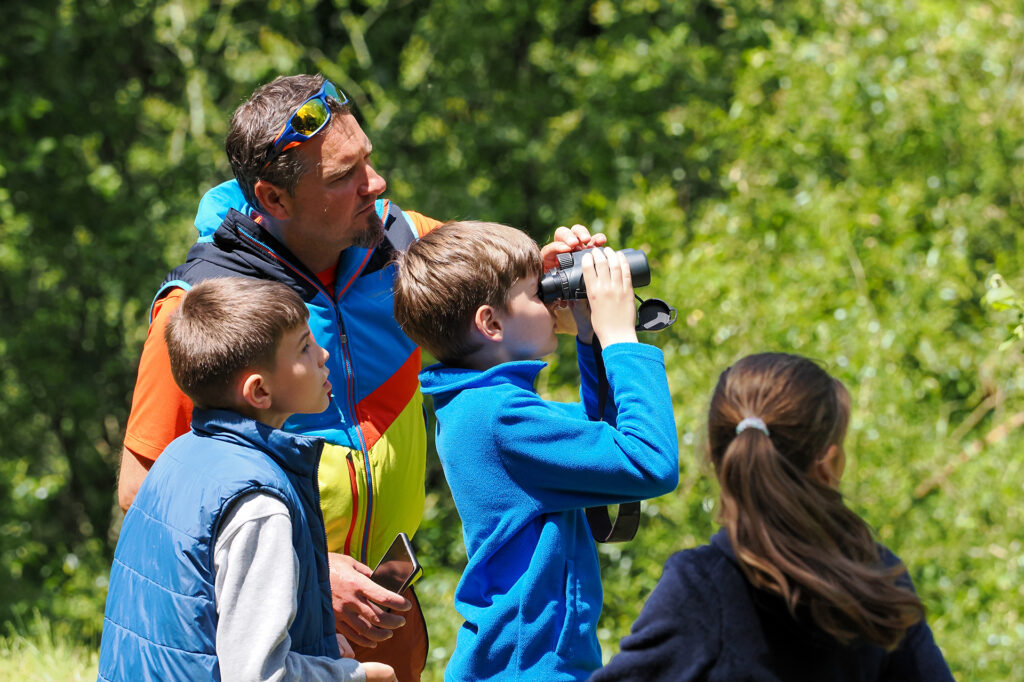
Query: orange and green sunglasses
column 308, row 120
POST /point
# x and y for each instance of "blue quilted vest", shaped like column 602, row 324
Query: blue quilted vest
column 161, row 617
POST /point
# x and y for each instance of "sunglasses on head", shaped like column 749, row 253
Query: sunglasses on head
column 309, row 119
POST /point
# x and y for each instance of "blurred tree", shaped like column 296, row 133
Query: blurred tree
column 832, row 178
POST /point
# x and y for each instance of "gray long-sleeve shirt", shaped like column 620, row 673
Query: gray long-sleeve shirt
column 255, row 590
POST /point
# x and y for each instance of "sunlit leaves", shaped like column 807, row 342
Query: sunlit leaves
column 832, row 178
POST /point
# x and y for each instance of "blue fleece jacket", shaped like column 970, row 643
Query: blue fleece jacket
column 521, row 470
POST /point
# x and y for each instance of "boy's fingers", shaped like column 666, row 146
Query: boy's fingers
column 581, row 233
column 600, row 263
column 564, row 241
column 614, row 264
column 627, row 276
column 604, row 259
column 568, row 239
column 589, row 270
column 615, row 268
column 567, row 236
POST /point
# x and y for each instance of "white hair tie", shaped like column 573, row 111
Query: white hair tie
column 752, row 423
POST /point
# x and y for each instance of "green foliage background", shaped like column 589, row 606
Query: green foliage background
column 835, row 178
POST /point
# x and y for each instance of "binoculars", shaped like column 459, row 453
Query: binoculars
column 566, row 280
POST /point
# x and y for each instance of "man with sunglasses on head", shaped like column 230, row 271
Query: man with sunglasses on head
column 305, row 209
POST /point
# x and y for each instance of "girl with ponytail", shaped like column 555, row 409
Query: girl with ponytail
column 794, row 586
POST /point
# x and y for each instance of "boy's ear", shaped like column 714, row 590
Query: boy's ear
column 255, row 391
column 275, row 200
column 488, row 323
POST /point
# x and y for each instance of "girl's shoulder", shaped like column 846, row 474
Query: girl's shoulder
column 886, row 555
column 704, row 565
column 889, row 560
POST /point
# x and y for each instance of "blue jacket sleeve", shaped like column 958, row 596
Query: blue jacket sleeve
column 677, row 635
column 566, row 461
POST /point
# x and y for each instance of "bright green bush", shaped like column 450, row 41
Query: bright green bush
column 834, row 178
column 843, row 194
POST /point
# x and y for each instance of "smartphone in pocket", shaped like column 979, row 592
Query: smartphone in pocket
column 398, row 568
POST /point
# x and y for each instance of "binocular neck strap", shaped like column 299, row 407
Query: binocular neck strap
column 627, row 520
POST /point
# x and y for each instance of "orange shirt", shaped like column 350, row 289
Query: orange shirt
column 160, row 411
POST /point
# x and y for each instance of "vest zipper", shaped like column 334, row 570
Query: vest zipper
column 323, row 527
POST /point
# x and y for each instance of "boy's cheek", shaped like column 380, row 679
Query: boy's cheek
column 565, row 323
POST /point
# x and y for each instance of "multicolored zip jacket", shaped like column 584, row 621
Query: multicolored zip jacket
column 373, row 465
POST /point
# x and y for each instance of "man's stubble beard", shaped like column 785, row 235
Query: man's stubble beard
column 372, row 235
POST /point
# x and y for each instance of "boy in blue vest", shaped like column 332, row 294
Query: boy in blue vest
column 522, row 469
column 220, row 570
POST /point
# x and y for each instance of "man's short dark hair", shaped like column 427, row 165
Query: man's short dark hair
column 256, row 124
column 224, row 326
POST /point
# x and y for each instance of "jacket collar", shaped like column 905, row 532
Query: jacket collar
column 225, row 206
column 295, row 454
column 721, row 542
column 440, row 378
column 239, row 234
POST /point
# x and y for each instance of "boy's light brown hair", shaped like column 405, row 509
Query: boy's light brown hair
column 224, row 326
column 445, row 276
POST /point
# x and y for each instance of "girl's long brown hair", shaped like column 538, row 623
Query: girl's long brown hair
column 791, row 532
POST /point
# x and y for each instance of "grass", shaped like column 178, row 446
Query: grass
column 41, row 651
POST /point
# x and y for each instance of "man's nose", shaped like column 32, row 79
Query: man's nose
column 375, row 183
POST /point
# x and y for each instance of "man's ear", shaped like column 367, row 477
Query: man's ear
column 255, row 391
column 276, row 201
column 488, row 323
